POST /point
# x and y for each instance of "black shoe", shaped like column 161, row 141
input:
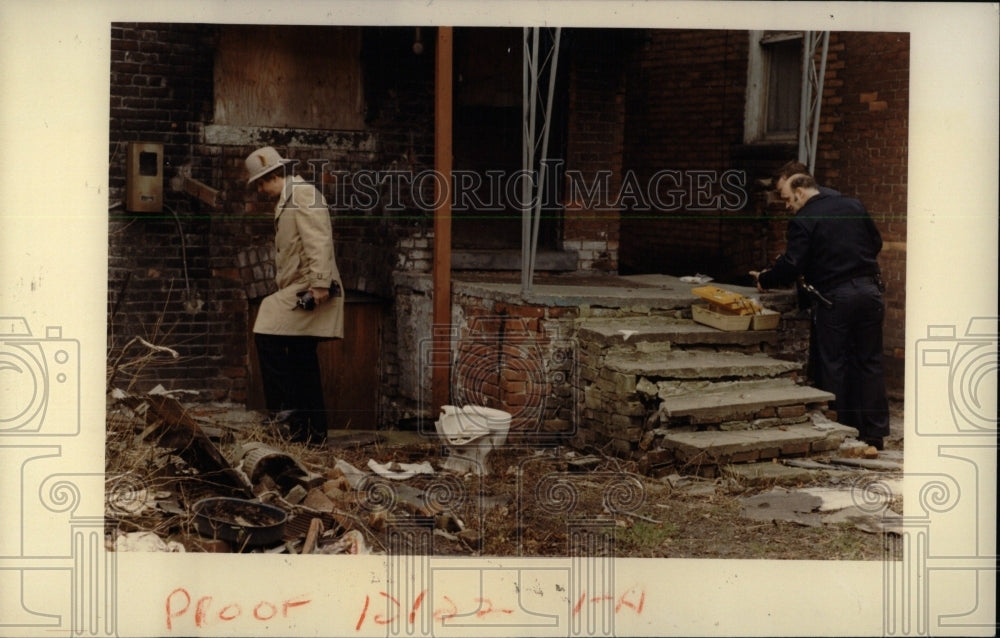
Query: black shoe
column 876, row 442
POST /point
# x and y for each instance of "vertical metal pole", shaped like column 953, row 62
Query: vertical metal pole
column 553, row 65
column 531, row 88
column 818, row 98
column 526, row 143
column 441, row 328
column 812, row 95
column 805, row 97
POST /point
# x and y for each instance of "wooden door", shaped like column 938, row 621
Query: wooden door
column 350, row 366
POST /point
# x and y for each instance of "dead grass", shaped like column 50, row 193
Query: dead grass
column 533, row 502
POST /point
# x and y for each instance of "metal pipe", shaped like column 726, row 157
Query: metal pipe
column 528, row 141
column 819, row 102
column 805, row 97
column 441, row 328
column 553, row 65
column 525, row 154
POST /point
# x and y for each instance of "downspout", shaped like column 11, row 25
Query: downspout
column 441, row 325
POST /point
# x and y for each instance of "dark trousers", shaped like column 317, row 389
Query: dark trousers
column 849, row 355
column 289, row 368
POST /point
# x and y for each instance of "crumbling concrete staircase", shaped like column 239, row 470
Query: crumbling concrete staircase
column 678, row 396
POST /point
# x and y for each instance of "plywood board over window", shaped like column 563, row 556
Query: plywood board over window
column 289, row 77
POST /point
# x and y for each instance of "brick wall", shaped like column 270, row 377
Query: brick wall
column 595, row 146
column 639, row 102
column 190, row 278
column 684, row 112
column 162, row 285
column 863, row 151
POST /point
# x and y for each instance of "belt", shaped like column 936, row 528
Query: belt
column 843, row 279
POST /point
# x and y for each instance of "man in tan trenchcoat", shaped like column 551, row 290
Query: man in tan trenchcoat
column 308, row 306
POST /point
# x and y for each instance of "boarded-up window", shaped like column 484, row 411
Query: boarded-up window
column 289, row 77
column 774, row 87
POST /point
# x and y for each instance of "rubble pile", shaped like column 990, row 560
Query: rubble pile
column 218, row 478
column 179, row 480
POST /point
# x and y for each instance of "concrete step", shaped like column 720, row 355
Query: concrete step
column 629, row 332
column 703, row 452
column 779, row 397
column 691, row 364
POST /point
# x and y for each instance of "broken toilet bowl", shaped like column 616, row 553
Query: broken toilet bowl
column 470, row 434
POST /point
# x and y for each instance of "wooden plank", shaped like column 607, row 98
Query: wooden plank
column 350, row 368
column 289, row 77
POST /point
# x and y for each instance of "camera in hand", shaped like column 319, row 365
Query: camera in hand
column 307, row 301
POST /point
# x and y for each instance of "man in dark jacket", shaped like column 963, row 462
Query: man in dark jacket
column 833, row 245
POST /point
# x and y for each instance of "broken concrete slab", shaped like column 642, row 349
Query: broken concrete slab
column 768, row 473
column 783, row 505
column 618, row 331
column 726, row 404
column 632, row 332
column 839, row 498
column 742, row 446
column 688, row 364
column 890, row 523
column 811, row 464
column 869, row 464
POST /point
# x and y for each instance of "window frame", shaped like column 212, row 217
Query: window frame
column 755, row 129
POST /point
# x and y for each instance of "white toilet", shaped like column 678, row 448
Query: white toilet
column 471, row 433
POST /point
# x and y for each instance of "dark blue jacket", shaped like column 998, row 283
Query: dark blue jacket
column 831, row 239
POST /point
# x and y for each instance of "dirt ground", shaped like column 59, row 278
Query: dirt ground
column 533, row 502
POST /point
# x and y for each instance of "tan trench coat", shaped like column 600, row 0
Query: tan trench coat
column 304, row 258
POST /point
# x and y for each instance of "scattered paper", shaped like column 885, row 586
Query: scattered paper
column 350, row 543
column 400, row 471
column 696, row 279
column 145, row 542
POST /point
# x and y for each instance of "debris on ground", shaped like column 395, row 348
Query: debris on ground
column 400, row 471
column 145, row 542
column 164, row 457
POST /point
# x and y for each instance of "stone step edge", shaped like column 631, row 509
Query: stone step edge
column 629, row 331
column 682, row 365
column 744, row 446
column 738, row 403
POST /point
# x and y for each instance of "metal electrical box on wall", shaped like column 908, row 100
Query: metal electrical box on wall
column 144, row 177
